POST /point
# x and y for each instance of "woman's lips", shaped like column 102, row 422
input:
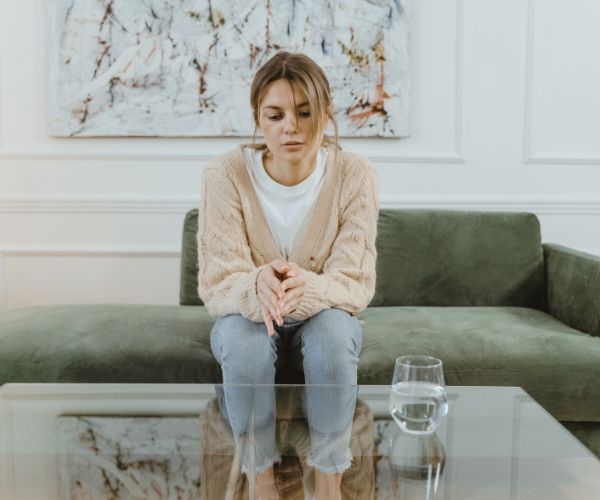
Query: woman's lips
column 293, row 145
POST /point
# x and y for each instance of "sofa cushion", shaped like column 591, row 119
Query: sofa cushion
column 557, row 365
column 459, row 258
column 506, row 346
column 107, row 343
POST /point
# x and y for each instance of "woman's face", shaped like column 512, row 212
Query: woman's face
column 284, row 118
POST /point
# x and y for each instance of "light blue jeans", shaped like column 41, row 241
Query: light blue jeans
column 326, row 347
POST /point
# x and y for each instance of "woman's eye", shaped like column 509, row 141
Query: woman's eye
column 279, row 116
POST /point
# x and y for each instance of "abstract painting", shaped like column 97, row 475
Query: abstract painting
column 129, row 457
column 183, row 68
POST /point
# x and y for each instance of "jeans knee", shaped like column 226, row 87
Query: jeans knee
column 332, row 340
column 245, row 352
column 337, row 331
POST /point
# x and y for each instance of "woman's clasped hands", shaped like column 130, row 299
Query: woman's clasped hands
column 280, row 287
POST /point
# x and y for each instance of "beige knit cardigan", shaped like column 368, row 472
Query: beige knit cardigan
column 337, row 250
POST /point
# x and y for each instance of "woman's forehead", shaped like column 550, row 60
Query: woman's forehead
column 283, row 93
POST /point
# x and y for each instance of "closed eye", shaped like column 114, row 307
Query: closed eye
column 279, row 116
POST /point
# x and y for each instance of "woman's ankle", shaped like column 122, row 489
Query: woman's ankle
column 327, row 485
column 265, row 487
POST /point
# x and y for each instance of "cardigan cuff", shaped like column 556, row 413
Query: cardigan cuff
column 313, row 301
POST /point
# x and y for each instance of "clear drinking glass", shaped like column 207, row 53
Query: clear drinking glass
column 418, row 398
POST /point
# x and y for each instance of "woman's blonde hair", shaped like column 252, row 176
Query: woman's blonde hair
column 308, row 75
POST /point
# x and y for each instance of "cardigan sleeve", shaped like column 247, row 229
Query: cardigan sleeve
column 348, row 278
column 226, row 272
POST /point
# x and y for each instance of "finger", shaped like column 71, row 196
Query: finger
column 267, row 296
column 274, row 285
column 280, row 266
column 277, row 315
column 293, row 295
column 294, row 270
column 292, row 305
column 270, row 287
column 292, row 283
column 275, row 309
column 293, row 301
column 268, row 321
column 273, row 306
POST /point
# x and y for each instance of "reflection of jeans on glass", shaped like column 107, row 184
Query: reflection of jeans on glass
column 325, row 347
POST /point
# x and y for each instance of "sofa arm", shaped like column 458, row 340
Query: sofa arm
column 573, row 287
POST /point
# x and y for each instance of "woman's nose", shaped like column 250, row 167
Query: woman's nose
column 290, row 124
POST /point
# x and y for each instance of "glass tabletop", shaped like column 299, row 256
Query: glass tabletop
column 60, row 441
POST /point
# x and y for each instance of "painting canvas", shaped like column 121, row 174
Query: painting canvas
column 183, row 67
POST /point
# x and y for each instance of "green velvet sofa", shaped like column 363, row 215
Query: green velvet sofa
column 476, row 289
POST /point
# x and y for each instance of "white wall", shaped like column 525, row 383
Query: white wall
column 505, row 117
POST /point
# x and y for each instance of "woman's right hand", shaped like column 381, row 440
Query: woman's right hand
column 270, row 293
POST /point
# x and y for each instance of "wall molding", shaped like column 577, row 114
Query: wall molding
column 104, row 251
column 459, row 78
column 48, row 155
column 72, row 205
column 180, row 205
column 537, row 206
column 451, row 157
column 3, row 294
column 136, row 251
column 529, row 155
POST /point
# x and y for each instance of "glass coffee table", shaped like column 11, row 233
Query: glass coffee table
column 126, row 441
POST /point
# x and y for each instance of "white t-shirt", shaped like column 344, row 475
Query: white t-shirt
column 286, row 208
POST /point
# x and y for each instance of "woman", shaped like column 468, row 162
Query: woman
column 286, row 250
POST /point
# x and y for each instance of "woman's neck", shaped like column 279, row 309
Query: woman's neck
column 288, row 173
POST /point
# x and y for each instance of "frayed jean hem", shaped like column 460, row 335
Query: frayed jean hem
column 330, row 469
column 259, row 469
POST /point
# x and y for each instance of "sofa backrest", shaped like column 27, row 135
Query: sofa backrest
column 459, row 258
column 435, row 258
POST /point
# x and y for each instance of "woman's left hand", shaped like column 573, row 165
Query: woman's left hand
column 293, row 286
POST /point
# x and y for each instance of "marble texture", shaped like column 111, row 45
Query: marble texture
column 184, row 67
column 129, row 457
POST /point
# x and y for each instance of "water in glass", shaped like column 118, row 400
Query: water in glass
column 417, row 407
column 418, row 396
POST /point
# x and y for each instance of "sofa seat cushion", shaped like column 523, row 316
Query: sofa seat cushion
column 107, row 343
column 507, row 346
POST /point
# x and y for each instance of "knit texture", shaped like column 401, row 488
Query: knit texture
column 337, row 250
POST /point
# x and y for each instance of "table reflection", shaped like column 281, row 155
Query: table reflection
column 199, row 456
column 298, row 436
column 416, row 464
